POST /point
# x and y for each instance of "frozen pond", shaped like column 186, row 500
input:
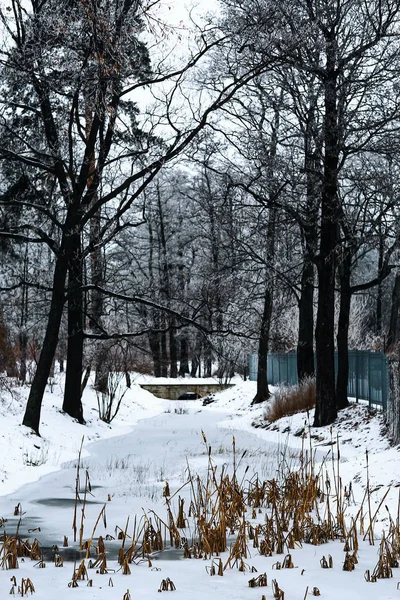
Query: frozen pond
column 128, row 474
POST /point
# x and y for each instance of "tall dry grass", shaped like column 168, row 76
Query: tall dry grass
column 289, row 400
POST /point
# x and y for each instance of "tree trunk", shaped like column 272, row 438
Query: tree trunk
column 96, row 310
column 312, row 166
column 23, row 336
column 208, row 358
column 33, row 408
column 7, row 356
column 85, row 379
column 378, row 322
column 195, row 366
column 196, row 354
column 325, row 409
column 342, row 338
column 102, row 370
column 305, row 345
column 72, row 404
column 164, row 349
column 173, row 351
column 23, row 347
column 394, row 314
column 262, row 393
column 184, row 356
column 154, row 341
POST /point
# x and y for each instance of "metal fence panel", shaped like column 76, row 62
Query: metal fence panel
column 253, row 366
column 368, row 374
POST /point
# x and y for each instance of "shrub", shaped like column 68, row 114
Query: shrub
column 109, row 402
column 289, row 400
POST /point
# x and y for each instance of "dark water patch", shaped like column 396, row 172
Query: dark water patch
column 63, row 502
column 72, row 554
column 29, row 527
column 168, row 554
column 68, row 554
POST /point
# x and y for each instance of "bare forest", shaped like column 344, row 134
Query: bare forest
column 178, row 190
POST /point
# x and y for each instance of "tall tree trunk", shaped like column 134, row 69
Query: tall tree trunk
column 378, row 325
column 262, row 393
column 154, row 341
column 23, row 336
column 391, row 339
column 72, row 404
column 208, row 358
column 184, row 356
column 312, row 167
column 183, row 282
column 33, row 408
column 173, row 350
column 305, row 345
column 342, row 338
column 195, row 366
column 7, row 356
column 85, row 379
column 65, row 258
column 164, row 348
column 166, row 295
column 23, row 348
column 101, row 364
column 196, row 355
column 325, row 409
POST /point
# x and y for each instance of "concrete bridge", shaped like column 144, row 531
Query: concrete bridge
column 172, row 391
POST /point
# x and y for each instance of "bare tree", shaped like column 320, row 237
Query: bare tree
column 70, row 58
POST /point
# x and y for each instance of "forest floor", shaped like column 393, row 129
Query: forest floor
column 154, row 441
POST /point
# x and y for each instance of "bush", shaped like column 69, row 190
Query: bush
column 290, row 400
column 109, row 402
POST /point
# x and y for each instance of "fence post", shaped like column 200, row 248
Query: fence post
column 357, row 376
column 384, row 380
column 369, row 383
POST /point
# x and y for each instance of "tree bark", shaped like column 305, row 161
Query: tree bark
column 305, row 346
column 23, row 347
column 173, row 350
column 262, row 393
column 394, row 315
column 154, row 341
column 325, row 409
column 72, row 404
column 312, row 166
column 184, row 356
column 378, row 321
column 342, row 338
column 164, row 349
column 208, row 359
column 33, row 408
column 196, row 356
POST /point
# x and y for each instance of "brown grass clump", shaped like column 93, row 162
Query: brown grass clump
column 167, row 585
column 290, row 400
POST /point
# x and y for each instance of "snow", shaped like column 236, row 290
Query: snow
column 152, row 441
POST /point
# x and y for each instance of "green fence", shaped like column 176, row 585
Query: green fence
column 368, row 374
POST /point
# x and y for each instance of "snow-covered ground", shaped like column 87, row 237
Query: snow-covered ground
column 153, row 441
